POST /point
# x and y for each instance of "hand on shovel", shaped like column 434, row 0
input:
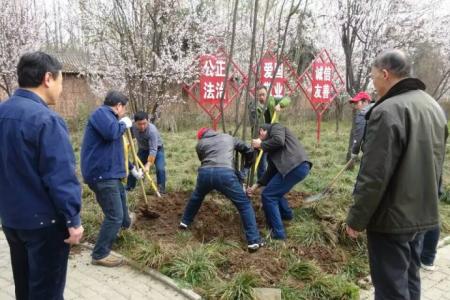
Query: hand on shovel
column 251, row 190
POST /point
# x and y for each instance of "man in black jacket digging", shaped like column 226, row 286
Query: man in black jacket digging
column 396, row 191
column 288, row 165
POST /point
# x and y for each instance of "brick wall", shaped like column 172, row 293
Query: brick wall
column 76, row 92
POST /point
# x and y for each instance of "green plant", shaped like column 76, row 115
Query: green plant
column 304, row 270
column 332, row 288
column 149, row 254
column 355, row 267
column 195, row 266
column 311, row 233
column 239, row 288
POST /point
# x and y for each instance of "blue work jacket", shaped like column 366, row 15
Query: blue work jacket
column 102, row 153
column 38, row 183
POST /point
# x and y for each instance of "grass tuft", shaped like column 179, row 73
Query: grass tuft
column 194, row 266
column 239, row 288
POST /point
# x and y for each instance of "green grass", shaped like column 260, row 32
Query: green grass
column 321, row 224
column 194, row 266
column 240, row 287
column 331, row 288
column 304, row 270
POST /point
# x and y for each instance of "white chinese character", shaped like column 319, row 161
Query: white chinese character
column 208, row 68
column 327, row 74
column 278, row 89
column 209, row 90
column 326, row 91
column 220, row 68
column 268, row 70
column 319, row 73
column 279, row 72
column 317, row 91
column 266, row 84
column 219, row 90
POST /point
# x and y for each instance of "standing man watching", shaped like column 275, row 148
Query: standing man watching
column 40, row 198
column 396, row 191
column 151, row 150
column 263, row 115
column 103, row 168
column 361, row 103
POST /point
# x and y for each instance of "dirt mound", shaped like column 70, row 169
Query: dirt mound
column 219, row 219
column 216, row 219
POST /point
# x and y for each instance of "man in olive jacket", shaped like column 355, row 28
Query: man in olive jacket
column 396, row 191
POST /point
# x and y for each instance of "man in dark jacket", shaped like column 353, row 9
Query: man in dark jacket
column 261, row 111
column 216, row 151
column 103, row 168
column 40, row 196
column 396, row 191
column 361, row 103
column 288, row 165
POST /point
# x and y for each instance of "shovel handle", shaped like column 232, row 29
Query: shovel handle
column 152, row 183
column 258, row 158
column 136, row 160
column 338, row 175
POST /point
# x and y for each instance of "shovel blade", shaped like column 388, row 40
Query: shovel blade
column 314, row 198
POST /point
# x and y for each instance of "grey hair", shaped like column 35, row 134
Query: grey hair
column 394, row 61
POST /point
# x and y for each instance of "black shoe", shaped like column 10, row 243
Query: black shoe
column 255, row 246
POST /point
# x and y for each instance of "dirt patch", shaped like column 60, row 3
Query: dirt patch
column 218, row 219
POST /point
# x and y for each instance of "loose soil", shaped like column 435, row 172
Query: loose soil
column 217, row 219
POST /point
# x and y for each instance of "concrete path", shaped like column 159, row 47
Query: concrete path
column 85, row 281
column 435, row 284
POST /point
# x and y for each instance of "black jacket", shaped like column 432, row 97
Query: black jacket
column 396, row 190
column 284, row 152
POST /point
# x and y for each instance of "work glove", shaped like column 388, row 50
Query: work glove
column 354, row 157
column 137, row 173
column 126, row 121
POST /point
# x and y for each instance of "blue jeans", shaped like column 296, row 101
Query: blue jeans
column 262, row 166
column 226, row 182
column 429, row 245
column 39, row 261
column 111, row 197
column 160, row 165
column 275, row 205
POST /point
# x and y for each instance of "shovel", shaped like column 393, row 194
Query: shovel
column 319, row 196
column 145, row 210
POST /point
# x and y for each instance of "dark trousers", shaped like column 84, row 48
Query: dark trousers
column 429, row 245
column 39, row 261
column 160, row 166
column 111, row 197
column 395, row 265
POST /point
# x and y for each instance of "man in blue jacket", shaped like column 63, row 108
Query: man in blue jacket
column 40, row 195
column 103, row 168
